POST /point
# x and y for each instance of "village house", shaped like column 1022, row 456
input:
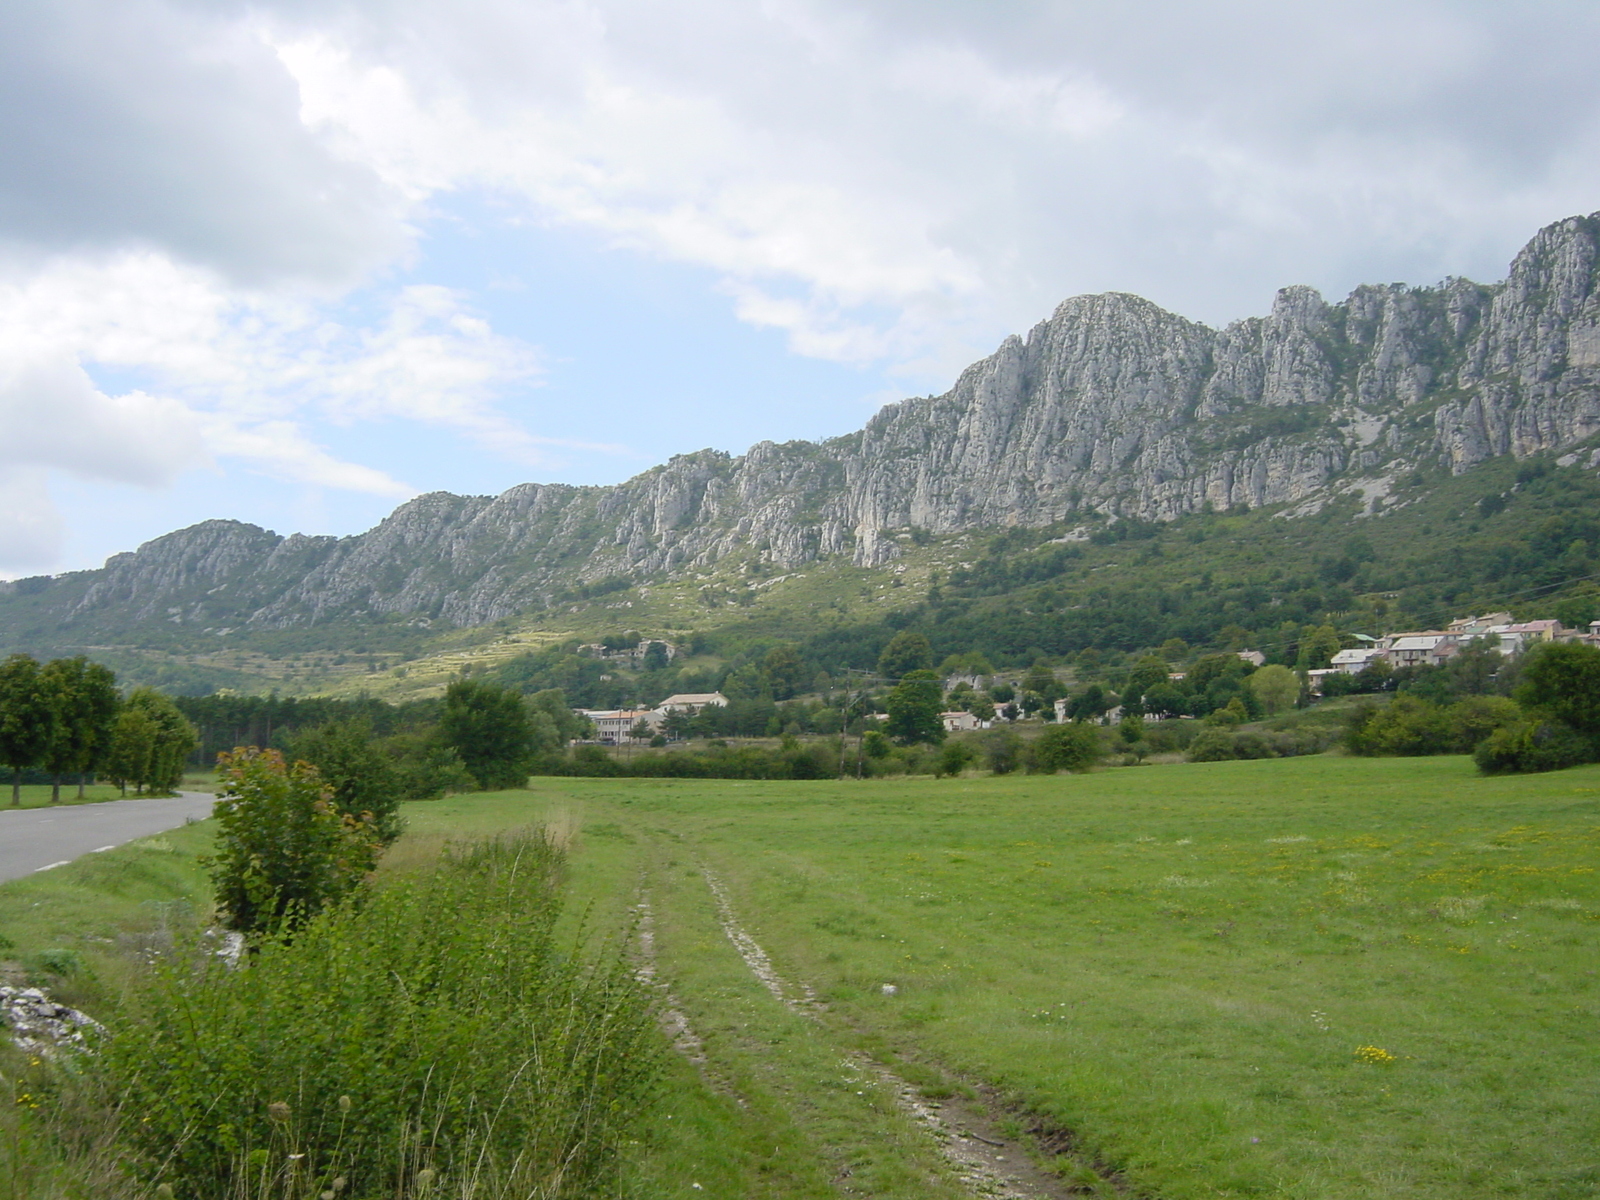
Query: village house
column 1416, row 649
column 691, row 702
column 1514, row 639
column 614, row 726
column 1467, row 628
column 1351, row 662
column 961, row 722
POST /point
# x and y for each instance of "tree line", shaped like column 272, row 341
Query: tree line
column 66, row 717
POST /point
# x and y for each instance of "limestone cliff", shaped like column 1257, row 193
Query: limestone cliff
column 1112, row 405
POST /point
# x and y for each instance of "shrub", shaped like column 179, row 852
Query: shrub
column 795, row 760
column 1408, row 725
column 1533, row 745
column 1222, row 745
column 385, row 1042
column 1476, row 717
column 1069, row 747
column 1002, row 751
column 1166, row 736
column 1213, row 745
column 1411, row 725
column 283, row 850
column 953, row 758
column 424, row 768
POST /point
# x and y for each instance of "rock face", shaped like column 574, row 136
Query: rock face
column 1111, row 405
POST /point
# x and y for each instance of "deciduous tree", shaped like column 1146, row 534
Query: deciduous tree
column 907, row 651
column 84, row 696
column 490, row 728
column 360, row 778
column 27, row 719
column 1277, row 688
column 914, row 707
column 1561, row 680
column 175, row 738
column 1069, row 747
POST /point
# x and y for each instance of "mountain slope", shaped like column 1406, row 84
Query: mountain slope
column 1112, row 406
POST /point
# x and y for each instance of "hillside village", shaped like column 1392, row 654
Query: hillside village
column 1371, row 663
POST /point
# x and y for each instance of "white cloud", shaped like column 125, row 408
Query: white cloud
column 894, row 182
column 51, row 415
column 282, row 450
column 228, row 375
column 169, row 124
column 32, row 531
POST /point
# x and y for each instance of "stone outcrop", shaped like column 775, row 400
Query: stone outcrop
column 37, row 1024
column 1112, row 405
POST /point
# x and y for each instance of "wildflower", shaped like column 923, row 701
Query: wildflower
column 1375, row 1055
column 344, row 1104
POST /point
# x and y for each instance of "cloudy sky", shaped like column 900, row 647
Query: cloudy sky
column 293, row 262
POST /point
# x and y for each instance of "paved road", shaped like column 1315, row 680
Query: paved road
column 32, row 839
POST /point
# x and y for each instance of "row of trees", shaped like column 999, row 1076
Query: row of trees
column 66, row 717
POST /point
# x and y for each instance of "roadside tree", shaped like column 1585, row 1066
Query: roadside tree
column 27, row 719
column 150, row 741
column 133, row 740
column 84, row 697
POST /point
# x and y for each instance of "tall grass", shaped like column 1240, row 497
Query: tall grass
column 433, row 1041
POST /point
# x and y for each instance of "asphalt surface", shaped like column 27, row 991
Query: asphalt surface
column 36, row 839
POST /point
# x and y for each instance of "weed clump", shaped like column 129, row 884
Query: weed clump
column 436, row 1031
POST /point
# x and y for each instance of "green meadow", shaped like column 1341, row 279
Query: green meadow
column 1320, row 977
column 1327, row 977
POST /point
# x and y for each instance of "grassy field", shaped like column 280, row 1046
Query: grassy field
column 1323, row 977
column 1320, row 977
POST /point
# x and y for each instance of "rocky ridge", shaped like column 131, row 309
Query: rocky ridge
column 1111, row 405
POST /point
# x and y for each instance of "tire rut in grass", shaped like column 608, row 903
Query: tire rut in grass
column 966, row 1134
column 672, row 1019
